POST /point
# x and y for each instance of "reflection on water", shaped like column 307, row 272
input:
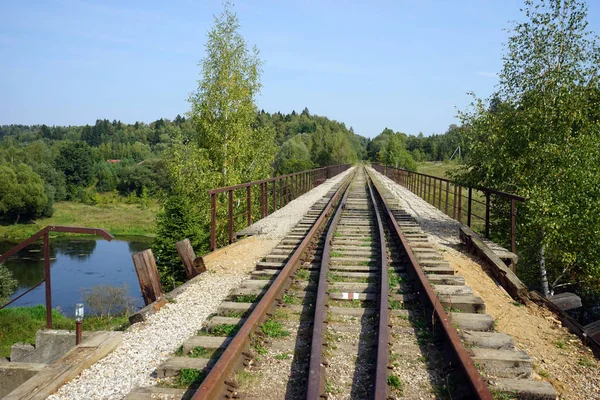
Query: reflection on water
column 75, row 264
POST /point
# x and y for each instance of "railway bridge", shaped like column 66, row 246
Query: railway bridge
column 346, row 284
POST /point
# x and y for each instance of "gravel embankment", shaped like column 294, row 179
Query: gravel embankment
column 278, row 224
column 145, row 346
column 441, row 228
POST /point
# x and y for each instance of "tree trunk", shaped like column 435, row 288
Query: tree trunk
column 543, row 276
column 18, row 218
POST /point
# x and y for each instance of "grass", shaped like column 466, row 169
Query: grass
column 436, row 168
column 189, row 376
column 586, row 362
column 20, row 324
column 246, row 298
column 289, row 298
column 302, row 274
column 220, row 330
column 560, row 344
column 274, row 329
column 282, row 356
column 396, row 384
column 118, row 218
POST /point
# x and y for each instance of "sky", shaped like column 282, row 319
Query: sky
column 405, row 64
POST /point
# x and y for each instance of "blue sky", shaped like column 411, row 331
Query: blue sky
column 404, row 64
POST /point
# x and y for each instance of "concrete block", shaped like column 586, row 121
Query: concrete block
column 502, row 363
column 14, row 374
column 525, row 389
column 173, row 365
column 19, row 351
column 473, row 322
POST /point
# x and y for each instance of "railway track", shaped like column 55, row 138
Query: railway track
column 353, row 303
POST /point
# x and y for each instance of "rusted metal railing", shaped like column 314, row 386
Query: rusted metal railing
column 451, row 197
column 255, row 200
column 45, row 233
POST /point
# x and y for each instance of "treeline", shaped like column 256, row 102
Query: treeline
column 43, row 164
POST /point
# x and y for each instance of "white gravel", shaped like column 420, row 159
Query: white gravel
column 278, row 224
column 441, row 228
column 145, row 346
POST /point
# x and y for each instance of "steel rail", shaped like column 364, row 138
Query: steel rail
column 316, row 373
column 464, row 361
column 383, row 331
column 215, row 382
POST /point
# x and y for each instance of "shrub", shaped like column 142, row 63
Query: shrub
column 7, row 283
column 108, row 301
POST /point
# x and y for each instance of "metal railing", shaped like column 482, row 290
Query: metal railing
column 252, row 201
column 459, row 202
column 45, row 233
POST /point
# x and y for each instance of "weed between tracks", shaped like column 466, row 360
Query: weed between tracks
column 274, row 329
column 396, row 384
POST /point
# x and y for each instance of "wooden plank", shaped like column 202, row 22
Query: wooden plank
column 67, row 367
column 193, row 265
column 506, row 277
column 566, row 301
column 145, row 267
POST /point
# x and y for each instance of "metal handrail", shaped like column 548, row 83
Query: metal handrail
column 283, row 189
column 45, row 233
column 422, row 185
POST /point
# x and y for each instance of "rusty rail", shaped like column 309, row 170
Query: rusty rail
column 383, row 330
column 450, row 197
column 316, row 374
column 214, row 383
column 245, row 205
column 439, row 316
column 45, row 233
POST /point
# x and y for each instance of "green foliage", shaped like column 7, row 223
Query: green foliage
column 21, row 193
column 225, row 148
column 20, row 324
column 76, row 161
column 540, row 137
column 293, row 156
column 7, row 284
column 394, row 153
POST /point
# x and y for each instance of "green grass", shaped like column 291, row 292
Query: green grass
column 290, row 298
column 118, row 218
column 438, row 169
column 396, row 384
column 221, row 330
column 189, row 376
column 560, row 344
column 20, row 324
column 246, row 298
column 274, row 329
column 336, row 254
column 302, row 274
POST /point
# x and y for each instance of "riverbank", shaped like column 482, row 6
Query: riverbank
column 20, row 324
column 111, row 213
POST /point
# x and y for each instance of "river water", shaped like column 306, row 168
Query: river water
column 75, row 264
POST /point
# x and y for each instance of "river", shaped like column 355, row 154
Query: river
column 76, row 264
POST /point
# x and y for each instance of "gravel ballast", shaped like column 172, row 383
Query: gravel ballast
column 146, row 345
column 278, row 224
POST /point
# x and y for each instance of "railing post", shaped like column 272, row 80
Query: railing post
column 440, row 195
column 434, row 189
column 454, row 201
column 469, row 207
column 274, row 195
column 447, row 195
column 263, row 203
column 249, row 204
column 429, row 189
column 487, row 215
column 460, row 204
column 230, row 216
column 213, row 221
column 280, row 193
column 513, row 226
column 48, row 280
